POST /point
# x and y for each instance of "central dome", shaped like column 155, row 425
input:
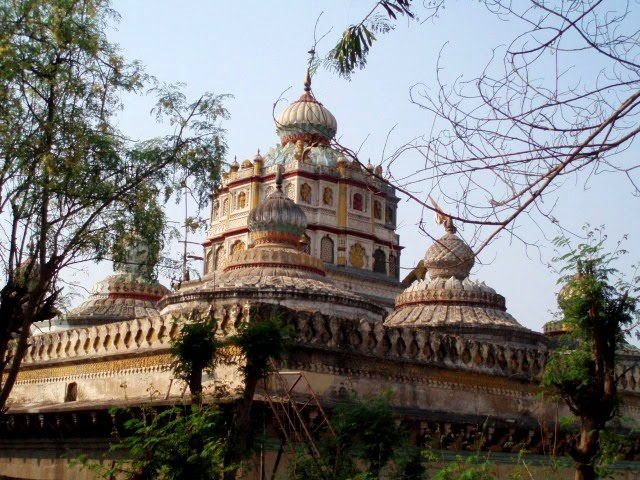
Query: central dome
column 307, row 120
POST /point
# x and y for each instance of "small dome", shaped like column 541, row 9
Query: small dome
column 119, row 297
column 449, row 256
column 258, row 158
column 306, row 119
column 247, row 164
column 276, row 217
column 234, row 166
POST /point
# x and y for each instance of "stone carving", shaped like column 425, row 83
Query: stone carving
column 357, row 256
column 238, row 246
column 305, row 193
column 377, row 210
column 327, row 197
column 327, row 247
column 241, row 201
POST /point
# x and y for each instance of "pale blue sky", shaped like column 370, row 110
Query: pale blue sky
column 256, row 49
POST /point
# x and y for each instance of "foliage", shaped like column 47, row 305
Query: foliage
column 469, row 468
column 262, row 340
column 72, row 186
column 598, row 307
column 179, row 443
column 366, row 431
column 367, row 441
column 351, row 51
column 194, row 351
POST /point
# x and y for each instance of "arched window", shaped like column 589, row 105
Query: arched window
column 327, row 249
column 327, row 197
column 238, row 246
column 208, row 263
column 305, row 193
column 388, row 215
column 357, row 202
column 288, row 192
column 218, row 258
column 394, row 270
column 377, row 210
column 225, row 207
column 306, row 248
column 242, row 200
column 215, row 210
column 358, row 256
column 379, row 261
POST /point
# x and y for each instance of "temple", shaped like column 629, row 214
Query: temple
column 311, row 234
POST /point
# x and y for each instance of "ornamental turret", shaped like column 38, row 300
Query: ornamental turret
column 448, row 300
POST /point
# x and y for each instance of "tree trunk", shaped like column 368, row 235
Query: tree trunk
column 12, row 375
column 241, row 428
column 585, row 452
column 584, row 472
column 195, row 386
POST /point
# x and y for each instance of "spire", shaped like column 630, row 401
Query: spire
column 307, row 81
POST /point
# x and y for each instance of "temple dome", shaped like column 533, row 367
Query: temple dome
column 277, row 218
column 306, row 119
column 121, row 296
column 275, row 267
column 449, row 300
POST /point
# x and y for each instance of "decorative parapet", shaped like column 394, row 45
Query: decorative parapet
column 133, row 336
column 321, row 332
column 421, row 346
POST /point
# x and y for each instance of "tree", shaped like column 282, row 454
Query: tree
column 559, row 102
column 263, row 340
column 598, row 308
column 367, row 445
column 178, row 443
column 194, row 352
column 71, row 184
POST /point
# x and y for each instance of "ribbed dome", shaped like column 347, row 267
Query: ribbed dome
column 448, row 298
column 121, row 296
column 278, row 216
column 306, row 119
column 449, row 256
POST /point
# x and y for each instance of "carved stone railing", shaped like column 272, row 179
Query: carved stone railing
column 419, row 346
column 101, row 340
column 321, row 332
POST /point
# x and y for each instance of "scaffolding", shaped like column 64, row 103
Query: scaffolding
column 292, row 399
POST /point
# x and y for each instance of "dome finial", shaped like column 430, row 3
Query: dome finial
column 442, row 218
column 307, row 81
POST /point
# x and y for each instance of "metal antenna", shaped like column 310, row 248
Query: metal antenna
column 185, row 267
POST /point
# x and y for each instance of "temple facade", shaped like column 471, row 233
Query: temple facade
column 307, row 233
column 351, row 212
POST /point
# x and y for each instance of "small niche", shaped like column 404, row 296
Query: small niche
column 71, row 394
